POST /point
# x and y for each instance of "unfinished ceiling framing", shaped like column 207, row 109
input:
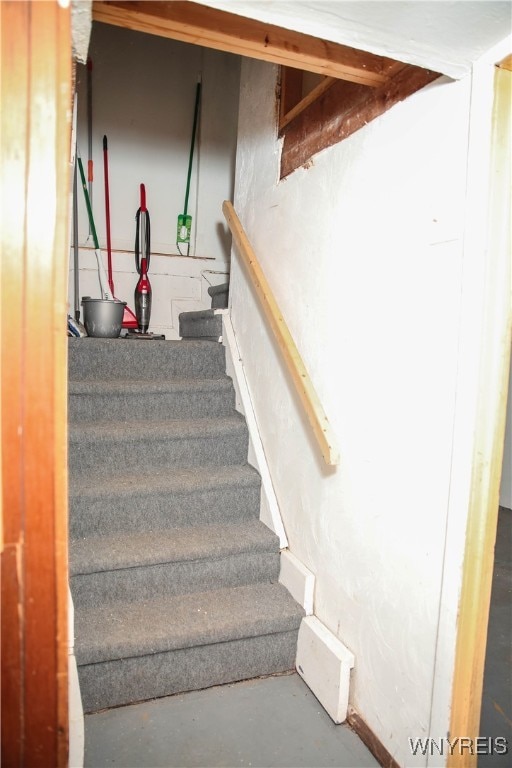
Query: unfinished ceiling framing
column 354, row 84
column 201, row 25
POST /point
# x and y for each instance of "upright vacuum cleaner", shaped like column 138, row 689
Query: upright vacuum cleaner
column 143, row 292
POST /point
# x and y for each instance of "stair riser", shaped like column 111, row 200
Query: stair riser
column 201, row 336
column 195, row 328
column 154, row 406
column 107, row 456
column 122, row 514
column 94, row 359
column 113, row 683
column 220, row 300
column 151, row 582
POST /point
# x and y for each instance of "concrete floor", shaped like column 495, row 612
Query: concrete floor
column 276, row 721
column 496, row 718
column 266, row 723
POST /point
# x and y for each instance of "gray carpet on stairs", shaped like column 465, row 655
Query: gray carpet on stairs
column 188, row 669
column 173, row 576
column 149, row 500
column 203, row 324
column 220, row 295
column 95, row 359
column 165, row 399
column 102, row 447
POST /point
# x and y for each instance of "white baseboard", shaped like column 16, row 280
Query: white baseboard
column 269, row 511
column 76, row 717
column 324, row 663
column 76, row 712
column 298, row 580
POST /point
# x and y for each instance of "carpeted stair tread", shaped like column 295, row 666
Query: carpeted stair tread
column 152, row 400
column 106, row 448
column 122, row 630
column 201, row 314
column 220, row 295
column 115, row 447
column 143, row 387
column 203, row 323
column 91, row 358
column 162, row 498
column 106, row 553
column 139, row 678
column 213, row 290
column 133, row 430
column 178, row 480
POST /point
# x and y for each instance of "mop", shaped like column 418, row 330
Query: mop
column 106, row 293
column 184, row 219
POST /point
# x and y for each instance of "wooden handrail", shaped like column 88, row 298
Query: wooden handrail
column 308, row 397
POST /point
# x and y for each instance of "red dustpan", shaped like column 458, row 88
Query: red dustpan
column 129, row 319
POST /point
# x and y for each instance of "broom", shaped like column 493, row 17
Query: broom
column 129, row 319
column 106, row 293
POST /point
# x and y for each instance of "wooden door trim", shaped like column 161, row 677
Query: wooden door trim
column 489, row 439
column 35, row 115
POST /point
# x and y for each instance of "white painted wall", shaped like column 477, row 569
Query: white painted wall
column 444, row 36
column 143, row 100
column 364, row 253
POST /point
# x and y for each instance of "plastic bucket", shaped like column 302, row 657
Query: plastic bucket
column 103, row 318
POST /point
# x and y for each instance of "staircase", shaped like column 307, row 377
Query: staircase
column 173, row 576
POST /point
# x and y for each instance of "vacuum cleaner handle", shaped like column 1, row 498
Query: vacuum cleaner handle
column 142, row 232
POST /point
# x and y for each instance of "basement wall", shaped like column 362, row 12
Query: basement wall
column 364, row 253
column 143, row 100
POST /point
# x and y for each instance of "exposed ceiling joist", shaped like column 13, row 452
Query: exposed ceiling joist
column 201, row 25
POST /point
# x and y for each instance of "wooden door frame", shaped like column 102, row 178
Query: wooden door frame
column 491, row 407
column 35, row 123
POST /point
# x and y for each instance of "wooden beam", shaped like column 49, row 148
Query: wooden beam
column 198, row 24
column 300, row 377
column 301, row 105
column 341, row 110
column 291, row 90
